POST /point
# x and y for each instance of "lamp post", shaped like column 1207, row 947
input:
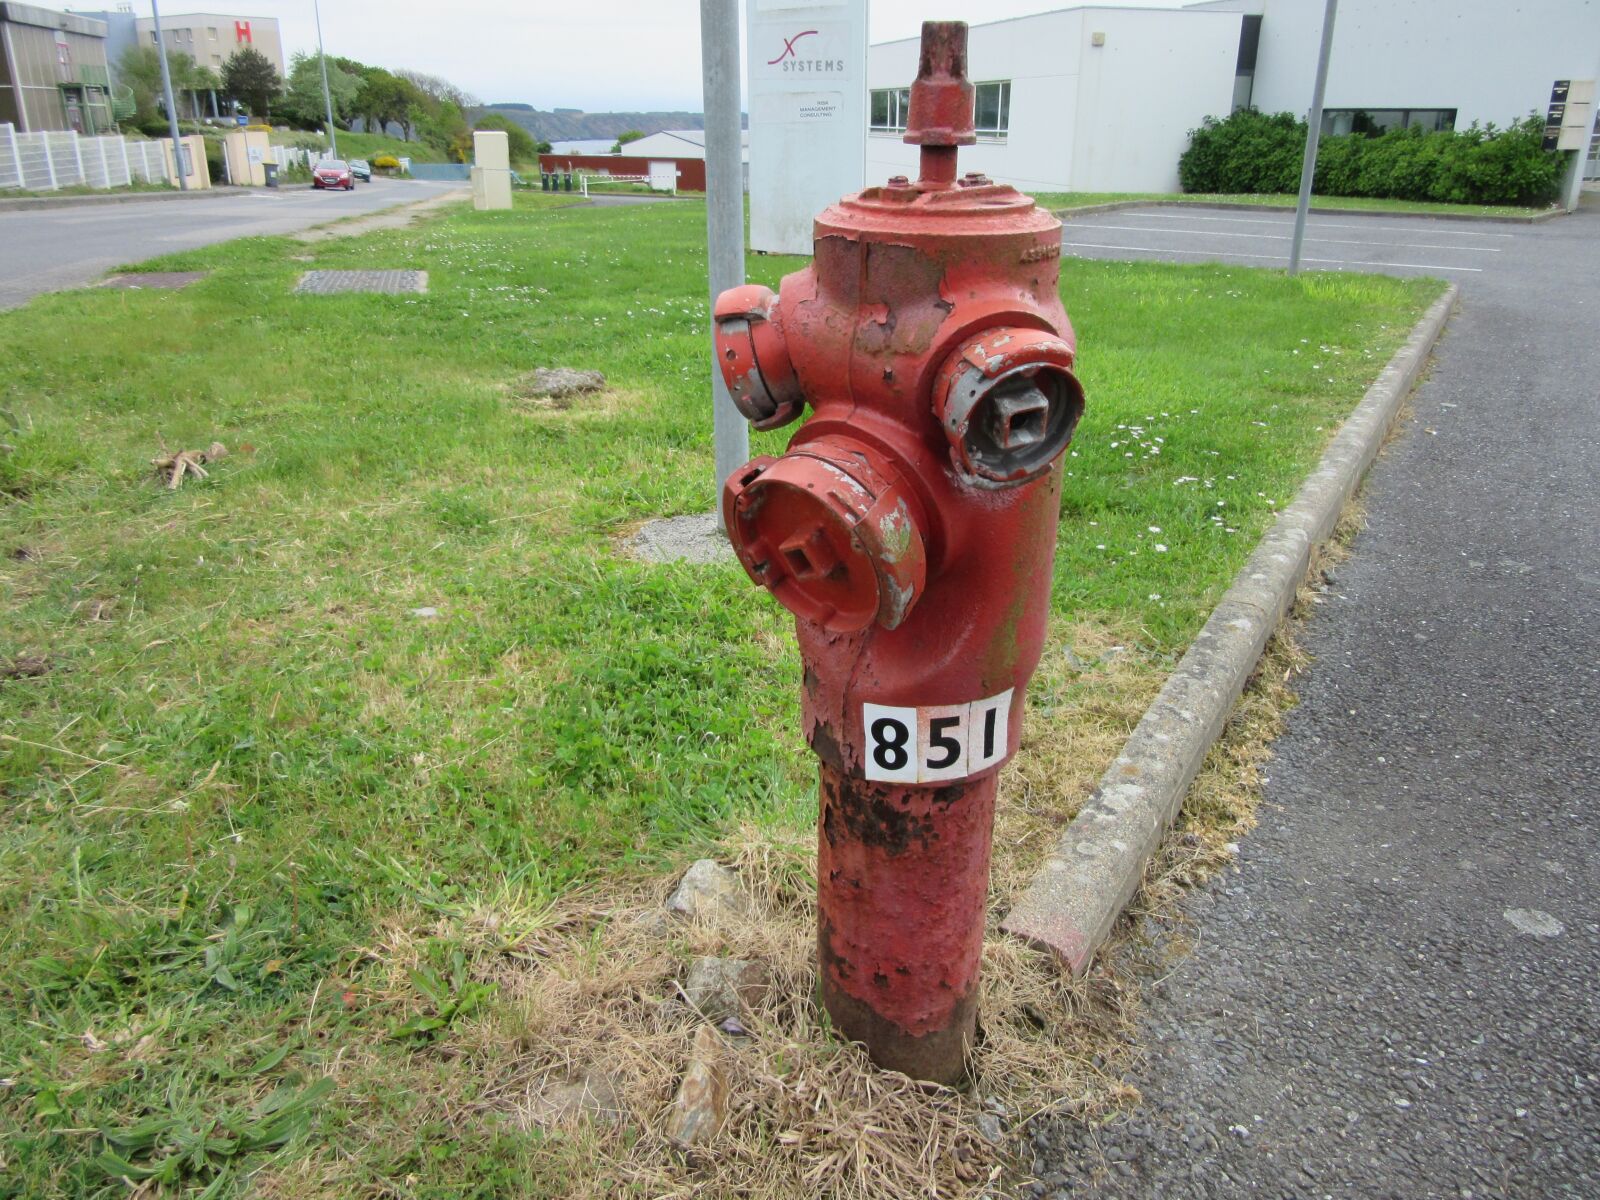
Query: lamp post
column 1308, row 166
column 172, row 108
column 327, row 96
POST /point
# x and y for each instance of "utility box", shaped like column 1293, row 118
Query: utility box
column 197, row 174
column 246, row 153
column 491, row 169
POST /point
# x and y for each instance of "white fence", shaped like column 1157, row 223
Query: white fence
column 295, row 156
column 44, row 162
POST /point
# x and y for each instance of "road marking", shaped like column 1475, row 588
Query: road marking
column 1284, row 237
column 1283, row 258
column 1311, row 224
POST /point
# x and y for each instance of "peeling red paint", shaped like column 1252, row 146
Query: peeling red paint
column 911, row 528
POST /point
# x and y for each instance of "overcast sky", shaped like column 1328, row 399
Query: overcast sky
column 597, row 55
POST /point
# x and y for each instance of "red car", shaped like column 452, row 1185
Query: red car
column 333, row 173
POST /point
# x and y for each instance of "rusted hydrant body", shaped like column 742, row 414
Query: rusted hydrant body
column 911, row 528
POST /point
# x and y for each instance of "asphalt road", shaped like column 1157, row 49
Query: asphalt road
column 1396, row 993
column 42, row 250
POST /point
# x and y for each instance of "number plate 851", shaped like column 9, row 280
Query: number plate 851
column 935, row 742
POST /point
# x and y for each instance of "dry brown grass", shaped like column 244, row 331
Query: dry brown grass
column 589, row 991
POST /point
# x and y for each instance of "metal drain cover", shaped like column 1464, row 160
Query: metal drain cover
column 388, row 283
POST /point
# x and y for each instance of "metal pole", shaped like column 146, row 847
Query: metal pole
column 327, row 97
column 172, row 108
column 719, row 55
column 1308, row 168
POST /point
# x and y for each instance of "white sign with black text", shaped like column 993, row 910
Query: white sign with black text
column 935, row 743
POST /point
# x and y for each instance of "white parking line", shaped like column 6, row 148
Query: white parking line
column 1284, row 237
column 1313, row 223
column 1283, row 258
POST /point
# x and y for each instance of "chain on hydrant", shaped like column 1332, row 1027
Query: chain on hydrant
column 911, row 528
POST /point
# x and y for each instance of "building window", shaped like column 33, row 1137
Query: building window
column 1376, row 121
column 1244, row 70
column 992, row 109
column 211, row 33
column 889, row 108
column 152, row 37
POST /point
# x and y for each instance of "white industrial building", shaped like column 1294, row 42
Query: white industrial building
column 677, row 143
column 1098, row 99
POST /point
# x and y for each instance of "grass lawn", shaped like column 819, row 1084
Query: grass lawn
column 79, row 189
column 1066, row 200
column 235, row 760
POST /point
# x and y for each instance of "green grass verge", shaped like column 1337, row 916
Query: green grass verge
column 231, row 752
column 1067, row 200
column 79, row 189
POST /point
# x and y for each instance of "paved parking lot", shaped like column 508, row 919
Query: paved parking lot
column 1341, row 242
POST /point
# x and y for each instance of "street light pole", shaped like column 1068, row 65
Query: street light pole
column 172, row 109
column 1308, row 168
column 327, row 96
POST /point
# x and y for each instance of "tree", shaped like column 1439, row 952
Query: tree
column 380, row 100
column 440, row 91
column 302, row 101
column 139, row 70
column 252, row 80
column 519, row 141
column 630, row 135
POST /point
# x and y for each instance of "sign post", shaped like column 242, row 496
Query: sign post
column 808, row 114
column 719, row 54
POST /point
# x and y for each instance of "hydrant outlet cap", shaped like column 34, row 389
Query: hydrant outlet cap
column 832, row 537
column 1008, row 402
column 754, row 358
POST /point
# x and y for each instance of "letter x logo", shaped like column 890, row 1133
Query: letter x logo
column 788, row 47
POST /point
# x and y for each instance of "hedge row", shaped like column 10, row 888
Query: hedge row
column 1252, row 151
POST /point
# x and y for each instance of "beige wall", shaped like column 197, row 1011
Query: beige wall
column 244, row 168
column 211, row 38
column 200, row 176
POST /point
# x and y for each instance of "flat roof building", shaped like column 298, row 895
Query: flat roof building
column 53, row 71
column 212, row 38
column 1099, row 99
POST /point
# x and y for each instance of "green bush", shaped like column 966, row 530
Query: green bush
column 214, row 161
column 1257, row 152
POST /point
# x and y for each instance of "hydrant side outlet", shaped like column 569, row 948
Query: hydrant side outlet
column 911, row 529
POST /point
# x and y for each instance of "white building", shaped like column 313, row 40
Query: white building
column 1102, row 99
column 679, row 143
column 1420, row 62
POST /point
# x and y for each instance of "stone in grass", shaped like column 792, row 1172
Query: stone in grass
column 709, row 891
column 592, row 1098
column 701, row 1105
column 719, row 988
column 559, row 383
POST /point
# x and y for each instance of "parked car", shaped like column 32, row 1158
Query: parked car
column 333, row 173
column 361, row 169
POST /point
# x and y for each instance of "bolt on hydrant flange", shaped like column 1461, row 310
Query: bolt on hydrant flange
column 911, row 529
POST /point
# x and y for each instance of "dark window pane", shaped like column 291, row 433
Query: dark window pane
column 992, row 107
column 880, row 110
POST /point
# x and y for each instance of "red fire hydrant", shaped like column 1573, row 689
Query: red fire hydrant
column 911, row 528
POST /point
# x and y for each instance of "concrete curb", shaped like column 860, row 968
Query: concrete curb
column 1072, row 903
column 1089, row 210
column 24, row 203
